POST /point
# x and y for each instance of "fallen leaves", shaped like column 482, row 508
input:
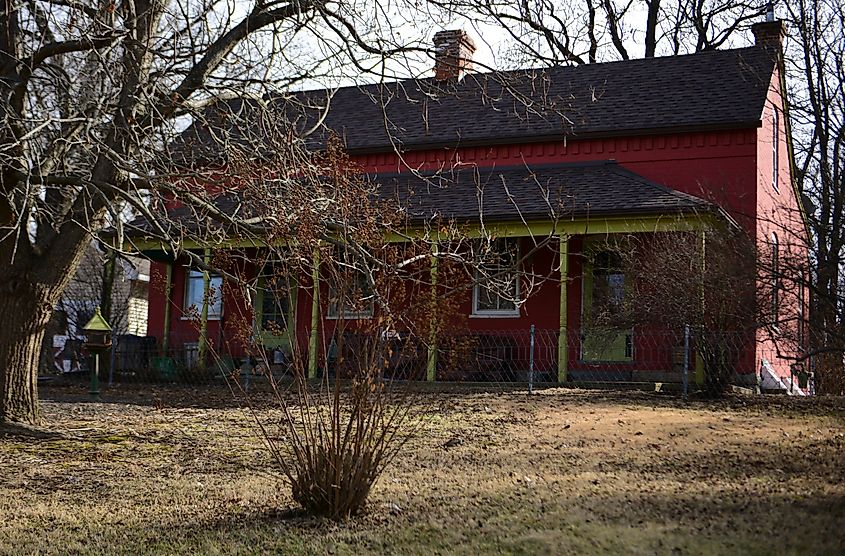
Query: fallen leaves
column 558, row 472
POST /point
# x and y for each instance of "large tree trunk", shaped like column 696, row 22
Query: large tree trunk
column 26, row 315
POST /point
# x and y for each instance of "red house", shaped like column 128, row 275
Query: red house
column 632, row 147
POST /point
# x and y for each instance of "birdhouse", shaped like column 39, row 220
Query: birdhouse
column 97, row 332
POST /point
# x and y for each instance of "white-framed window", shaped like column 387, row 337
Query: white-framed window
column 194, row 294
column 350, row 293
column 497, row 285
column 775, row 149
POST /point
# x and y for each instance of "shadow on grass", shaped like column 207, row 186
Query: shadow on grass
column 27, row 432
column 223, row 396
column 601, row 524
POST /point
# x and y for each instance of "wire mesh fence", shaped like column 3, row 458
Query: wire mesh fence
column 685, row 361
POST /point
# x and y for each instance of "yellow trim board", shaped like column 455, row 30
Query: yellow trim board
column 586, row 226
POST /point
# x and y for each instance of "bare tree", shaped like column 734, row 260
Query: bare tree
column 96, row 97
column 99, row 281
column 704, row 280
column 816, row 68
column 550, row 32
column 92, row 91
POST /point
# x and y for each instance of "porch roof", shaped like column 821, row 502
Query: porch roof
column 469, row 196
column 539, row 192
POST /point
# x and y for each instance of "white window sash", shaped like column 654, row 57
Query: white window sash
column 477, row 288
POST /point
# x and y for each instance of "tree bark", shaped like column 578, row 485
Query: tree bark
column 26, row 315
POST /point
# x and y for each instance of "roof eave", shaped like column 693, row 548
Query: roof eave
column 704, row 208
column 420, row 146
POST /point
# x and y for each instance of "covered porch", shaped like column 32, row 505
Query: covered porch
column 545, row 333
column 560, row 223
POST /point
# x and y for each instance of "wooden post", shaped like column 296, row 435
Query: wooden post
column 168, row 286
column 206, row 288
column 563, row 332
column 313, row 340
column 431, row 363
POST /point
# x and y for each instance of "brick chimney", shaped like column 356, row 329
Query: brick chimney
column 453, row 54
column 770, row 32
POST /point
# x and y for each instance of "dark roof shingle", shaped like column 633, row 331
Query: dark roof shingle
column 722, row 88
column 465, row 196
column 718, row 89
column 543, row 192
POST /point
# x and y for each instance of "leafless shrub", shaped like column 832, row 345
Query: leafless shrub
column 705, row 280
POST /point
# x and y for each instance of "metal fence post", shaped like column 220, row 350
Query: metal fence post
column 531, row 363
column 686, row 362
column 112, row 361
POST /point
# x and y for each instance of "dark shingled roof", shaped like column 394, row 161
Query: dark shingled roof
column 715, row 89
column 722, row 88
column 544, row 192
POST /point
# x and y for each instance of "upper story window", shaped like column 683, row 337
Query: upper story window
column 195, row 295
column 496, row 290
column 775, row 145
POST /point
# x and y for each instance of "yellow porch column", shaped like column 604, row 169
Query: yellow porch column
column 431, row 366
column 206, row 288
column 313, row 340
column 563, row 336
column 168, row 316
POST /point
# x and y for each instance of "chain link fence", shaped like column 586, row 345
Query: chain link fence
column 686, row 361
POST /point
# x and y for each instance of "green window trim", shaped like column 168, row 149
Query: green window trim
column 279, row 336
column 601, row 344
column 350, row 294
column 345, row 309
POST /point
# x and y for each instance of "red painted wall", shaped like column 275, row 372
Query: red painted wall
column 717, row 166
column 727, row 167
column 778, row 213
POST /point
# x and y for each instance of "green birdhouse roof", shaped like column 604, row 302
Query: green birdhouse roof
column 97, row 323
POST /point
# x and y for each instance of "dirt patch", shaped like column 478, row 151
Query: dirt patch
column 562, row 471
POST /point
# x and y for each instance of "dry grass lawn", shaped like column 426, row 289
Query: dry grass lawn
column 560, row 472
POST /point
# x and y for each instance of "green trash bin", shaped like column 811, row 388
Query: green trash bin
column 803, row 379
column 165, row 368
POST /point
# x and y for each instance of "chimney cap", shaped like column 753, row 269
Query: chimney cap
column 449, row 36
